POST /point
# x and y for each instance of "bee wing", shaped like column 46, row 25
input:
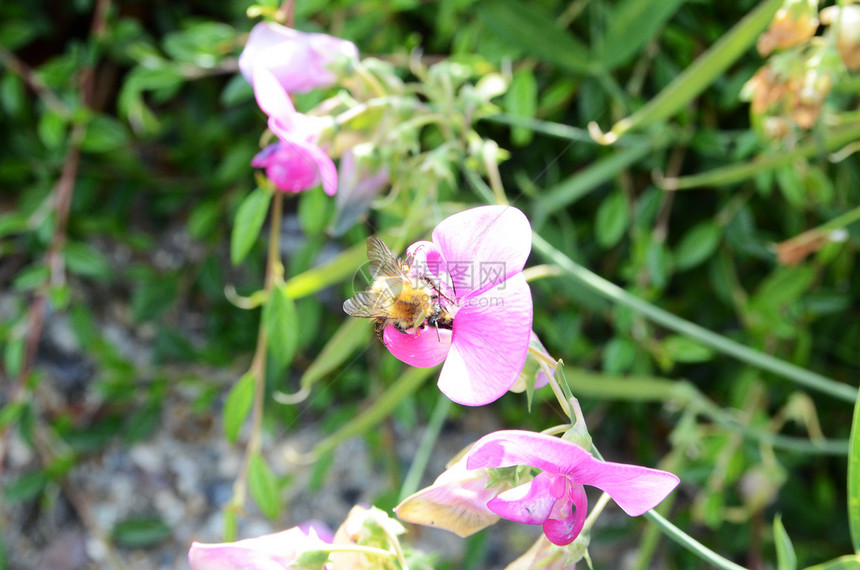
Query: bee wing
column 382, row 261
column 367, row 304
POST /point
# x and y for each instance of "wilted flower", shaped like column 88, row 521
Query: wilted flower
column 365, row 527
column 794, row 23
column 295, row 163
column 456, row 501
column 846, row 23
column 299, row 61
column 555, row 498
column 358, row 186
column 476, row 257
column 268, row 552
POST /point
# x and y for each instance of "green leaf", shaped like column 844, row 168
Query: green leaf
column 849, row 562
column 526, row 27
column 854, row 478
column 786, row 559
column 249, row 220
column 85, row 260
column 631, row 24
column 612, row 219
column 139, row 532
column 26, row 486
column 521, row 101
column 264, row 487
column 238, row 405
column 105, row 134
column 697, row 245
column 13, row 356
column 231, row 525
column 618, row 355
column 682, row 349
column 31, row 277
column 281, row 326
column 52, row 129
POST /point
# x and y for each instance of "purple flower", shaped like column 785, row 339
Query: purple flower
column 269, row 552
column 555, row 498
column 299, row 61
column 296, row 163
column 476, row 258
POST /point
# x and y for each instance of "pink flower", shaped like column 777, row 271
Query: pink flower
column 477, row 258
column 295, row 166
column 299, row 61
column 555, row 498
column 269, row 552
column 296, row 163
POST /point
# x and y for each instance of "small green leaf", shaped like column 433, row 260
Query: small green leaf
column 521, row 101
column 249, row 220
column 697, row 245
column 264, row 487
column 85, row 260
column 786, row 559
column 618, row 355
column 612, row 218
column 31, row 277
column 143, row 531
column 282, row 327
column 13, row 356
column 231, row 525
column 26, row 486
column 848, row 562
column 682, row 349
column 854, row 478
column 237, row 405
column 51, row 129
column 631, row 24
column 105, row 134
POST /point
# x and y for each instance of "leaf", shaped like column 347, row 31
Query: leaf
column 26, row 486
column 848, row 562
column 612, row 218
column 237, row 405
column 249, row 220
column 854, row 478
column 104, row 134
column 281, row 326
column 264, row 487
column 143, row 531
column 682, row 349
column 786, row 559
column 697, row 245
column 524, row 26
column 521, row 101
column 618, row 355
column 51, row 129
column 632, row 24
column 85, row 260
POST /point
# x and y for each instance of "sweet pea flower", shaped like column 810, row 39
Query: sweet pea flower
column 555, row 498
column 477, row 258
column 456, row 501
column 296, row 162
column 299, row 61
column 269, row 552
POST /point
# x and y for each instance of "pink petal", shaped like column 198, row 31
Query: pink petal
column 490, row 344
column 422, row 350
column 568, row 516
column 484, row 246
column 635, row 489
column 530, row 503
column 268, row 552
column 263, row 36
column 272, row 98
column 295, row 166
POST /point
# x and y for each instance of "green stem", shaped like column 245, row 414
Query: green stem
column 425, row 448
column 718, row 342
column 690, row 543
column 727, row 175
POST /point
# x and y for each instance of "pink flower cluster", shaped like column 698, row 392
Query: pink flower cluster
column 279, row 61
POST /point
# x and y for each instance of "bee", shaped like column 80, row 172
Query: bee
column 396, row 297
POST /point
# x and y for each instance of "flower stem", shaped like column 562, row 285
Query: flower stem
column 690, row 543
column 718, row 342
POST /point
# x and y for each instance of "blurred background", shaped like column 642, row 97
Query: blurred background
column 126, row 135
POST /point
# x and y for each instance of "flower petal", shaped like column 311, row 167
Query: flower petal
column 422, row 350
column 568, row 516
column 635, row 489
column 484, row 246
column 272, row 98
column 532, row 502
column 268, row 552
column 457, row 501
column 490, row 344
column 296, row 165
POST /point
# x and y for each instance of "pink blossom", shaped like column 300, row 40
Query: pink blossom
column 296, row 163
column 476, row 257
column 269, row 552
column 555, row 498
column 295, row 166
column 299, row 61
